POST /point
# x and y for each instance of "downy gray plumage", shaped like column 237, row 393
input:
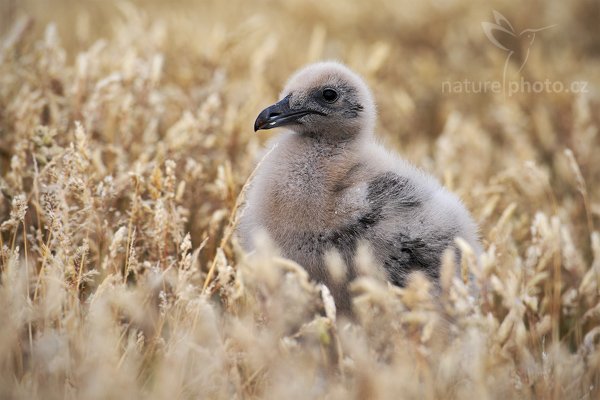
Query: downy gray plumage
column 328, row 185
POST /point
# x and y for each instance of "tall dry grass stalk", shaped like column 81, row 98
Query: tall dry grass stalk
column 125, row 141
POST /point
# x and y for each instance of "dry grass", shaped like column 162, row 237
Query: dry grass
column 126, row 136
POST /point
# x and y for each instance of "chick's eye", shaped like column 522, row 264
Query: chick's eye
column 330, row 95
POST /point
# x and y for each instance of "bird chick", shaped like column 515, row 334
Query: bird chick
column 327, row 185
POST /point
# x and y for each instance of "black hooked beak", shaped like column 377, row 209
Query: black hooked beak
column 280, row 114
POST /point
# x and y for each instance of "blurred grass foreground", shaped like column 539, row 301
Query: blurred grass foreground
column 126, row 137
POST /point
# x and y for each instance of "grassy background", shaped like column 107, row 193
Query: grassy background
column 126, row 138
